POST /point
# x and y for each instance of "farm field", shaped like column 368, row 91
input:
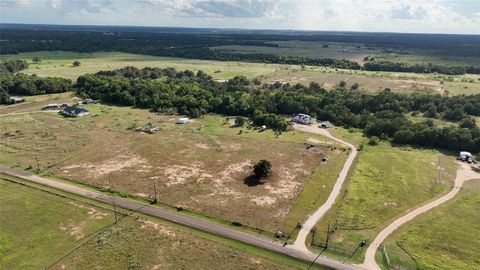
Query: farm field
column 58, row 63
column 445, row 238
column 63, row 231
column 37, row 228
column 201, row 166
column 382, row 185
column 351, row 51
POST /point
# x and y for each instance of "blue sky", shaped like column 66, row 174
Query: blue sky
column 419, row 16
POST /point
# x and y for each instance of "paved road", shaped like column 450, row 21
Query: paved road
column 464, row 173
column 320, row 212
column 184, row 220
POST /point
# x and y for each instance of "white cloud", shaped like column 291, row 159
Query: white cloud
column 357, row 15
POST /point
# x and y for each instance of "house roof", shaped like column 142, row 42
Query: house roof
column 74, row 110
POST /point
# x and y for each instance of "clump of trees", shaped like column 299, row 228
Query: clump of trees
column 12, row 66
column 76, row 63
column 262, row 169
column 28, row 85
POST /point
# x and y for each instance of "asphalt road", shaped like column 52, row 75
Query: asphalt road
column 182, row 219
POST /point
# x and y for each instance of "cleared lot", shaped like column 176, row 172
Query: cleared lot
column 201, row 166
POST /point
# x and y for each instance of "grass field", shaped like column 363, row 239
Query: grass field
column 37, row 228
column 383, row 184
column 445, row 238
column 143, row 244
column 60, row 64
column 46, row 225
column 306, row 49
column 352, row 51
column 200, row 166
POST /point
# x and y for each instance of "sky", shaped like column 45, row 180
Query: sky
column 411, row 16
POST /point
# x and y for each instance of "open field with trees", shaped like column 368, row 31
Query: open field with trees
column 63, row 231
column 195, row 166
column 353, row 51
column 59, row 64
column 384, row 183
column 445, row 238
column 198, row 45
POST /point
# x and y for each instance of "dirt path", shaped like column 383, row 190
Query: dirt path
column 464, row 173
column 20, row 113
column 320, row 212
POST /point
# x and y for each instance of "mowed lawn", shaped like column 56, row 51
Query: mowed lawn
column 37, row 228
column 445, row 238
column 385, row 182
column 201, row 166
column 59, row 63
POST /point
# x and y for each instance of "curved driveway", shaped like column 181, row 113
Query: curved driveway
column 463, row 174
column 320, row 212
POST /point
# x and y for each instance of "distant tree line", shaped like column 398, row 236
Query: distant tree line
column 197, row 46
column 382, row 115
column 420, row 68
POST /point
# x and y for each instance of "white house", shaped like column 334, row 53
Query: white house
column 302, row 119
column 466, row 156
column 183, row 120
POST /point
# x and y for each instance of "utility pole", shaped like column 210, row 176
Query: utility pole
column 38, row 165
column 115, row 210
column 155, row 198
column 438, row 168
column 328, row 236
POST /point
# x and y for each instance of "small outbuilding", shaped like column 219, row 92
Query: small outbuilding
column 16, row 99
column 90, row 101
column 466, row 156
column 326, row 124
column 51, row 106
column 302, row 119
column 74, row 111
column 183, row 120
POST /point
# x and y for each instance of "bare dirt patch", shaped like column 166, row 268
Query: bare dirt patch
column 75, row 230
column 92, row 212
column 115, row 164
column 177, row 174
column 162, row 229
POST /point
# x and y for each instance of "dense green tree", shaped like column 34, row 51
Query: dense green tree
column 262, row 169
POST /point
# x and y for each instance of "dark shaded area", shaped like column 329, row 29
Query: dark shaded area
column 252, row 181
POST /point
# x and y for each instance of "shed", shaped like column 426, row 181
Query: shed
column 16, row 99
column 51, row 106
column 183, row 120
column 74, row 111
column 326, row 124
